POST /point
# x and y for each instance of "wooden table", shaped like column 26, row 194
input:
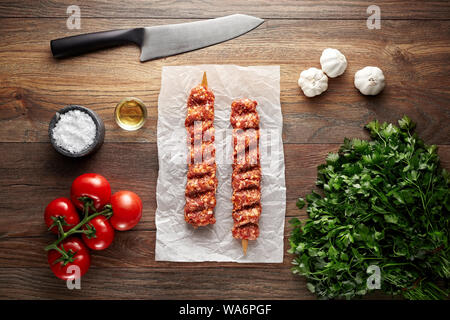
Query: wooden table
column 412, row 47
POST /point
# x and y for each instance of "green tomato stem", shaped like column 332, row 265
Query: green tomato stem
column 60, row 228
column 76, row 229
column 63, row 252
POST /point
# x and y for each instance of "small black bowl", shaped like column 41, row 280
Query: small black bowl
column 99, row 137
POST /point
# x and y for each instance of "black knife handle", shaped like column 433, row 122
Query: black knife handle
column 84, row 43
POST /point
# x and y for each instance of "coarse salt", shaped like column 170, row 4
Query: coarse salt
column 75, row 131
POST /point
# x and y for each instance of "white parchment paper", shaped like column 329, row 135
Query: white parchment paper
column 175, row 239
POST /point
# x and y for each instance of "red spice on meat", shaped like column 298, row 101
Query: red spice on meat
column 246, row 177
column 201, row 183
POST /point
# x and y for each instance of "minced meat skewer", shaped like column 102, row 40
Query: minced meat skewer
column 201, row 177
column 246, row 177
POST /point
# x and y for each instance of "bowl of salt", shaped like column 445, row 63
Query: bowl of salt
column 76, row 131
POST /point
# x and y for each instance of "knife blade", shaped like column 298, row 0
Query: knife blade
column 160, row 41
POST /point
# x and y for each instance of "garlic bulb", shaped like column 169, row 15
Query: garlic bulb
column 313, row 82
column 369, row 80
column 333, row 62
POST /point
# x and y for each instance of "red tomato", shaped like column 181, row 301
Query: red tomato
column 93, row 186
column 104, row 233
column 61, row 209
column 80, row 256
column 127, row 210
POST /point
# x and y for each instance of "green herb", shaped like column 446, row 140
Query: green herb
column 385, row 203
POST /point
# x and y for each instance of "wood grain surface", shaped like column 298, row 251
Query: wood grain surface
column 267, row 9
column 412, row 47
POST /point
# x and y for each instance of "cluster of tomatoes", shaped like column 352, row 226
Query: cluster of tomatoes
column 92, row 212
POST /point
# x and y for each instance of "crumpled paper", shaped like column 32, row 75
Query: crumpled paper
column 175, row 239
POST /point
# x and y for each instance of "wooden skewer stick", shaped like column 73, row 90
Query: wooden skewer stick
column 244, row 246
column 204, row 81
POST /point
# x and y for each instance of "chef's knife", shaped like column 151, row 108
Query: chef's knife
column 160, row 41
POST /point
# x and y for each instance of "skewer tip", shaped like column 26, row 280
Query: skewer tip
column 244, row 246
column 204, row 80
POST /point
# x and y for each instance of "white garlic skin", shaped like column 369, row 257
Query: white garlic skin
column 370, row 80
column 313, row 82
column 333, row 62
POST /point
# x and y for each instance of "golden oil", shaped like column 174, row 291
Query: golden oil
column 130, row 114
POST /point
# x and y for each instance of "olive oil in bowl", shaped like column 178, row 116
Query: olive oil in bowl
column 130, row 114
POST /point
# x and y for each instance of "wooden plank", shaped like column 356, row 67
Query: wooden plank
column 161, row 284
column 34, row 85
column 156, row 283
column 312, row 9
column 130, row 249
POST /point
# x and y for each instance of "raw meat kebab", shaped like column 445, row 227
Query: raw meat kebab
column 246, row 177
column 201, row 177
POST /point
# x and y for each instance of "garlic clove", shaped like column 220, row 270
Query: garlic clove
column 333, row 62
column 370, row 80
column 313, row 82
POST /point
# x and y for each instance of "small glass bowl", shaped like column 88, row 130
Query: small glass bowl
column 130, row 102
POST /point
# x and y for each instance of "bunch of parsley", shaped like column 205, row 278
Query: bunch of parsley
column 385, row 203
